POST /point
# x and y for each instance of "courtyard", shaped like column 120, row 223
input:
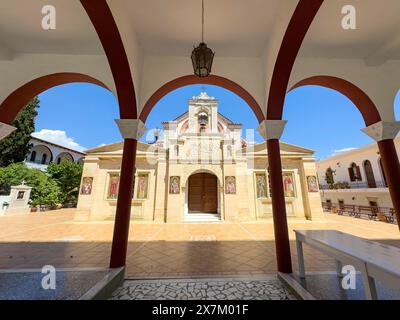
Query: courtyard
column 31, row 241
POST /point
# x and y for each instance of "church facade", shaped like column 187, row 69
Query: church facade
column 199, row 169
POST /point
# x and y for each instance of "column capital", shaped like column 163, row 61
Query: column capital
column 272, row 129
column 5, row 130
column 131, row 128
column 382, row 130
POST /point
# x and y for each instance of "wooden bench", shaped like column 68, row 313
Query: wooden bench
column 370, row 212
column 391, row 216
column 373, row 259
column 349, row 209
column 327, row 207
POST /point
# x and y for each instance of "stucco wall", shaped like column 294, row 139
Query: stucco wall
column 161, row 206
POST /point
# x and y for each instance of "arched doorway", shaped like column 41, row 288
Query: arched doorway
column 369, row 173
column 64, row 156
column 203, row 194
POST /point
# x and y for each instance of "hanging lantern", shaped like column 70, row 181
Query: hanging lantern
column 202, row 56
column 202, row 59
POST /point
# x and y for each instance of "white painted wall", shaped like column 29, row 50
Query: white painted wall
column 27, row 67
column 380, row 83
column 57, row 151
column 4, row 199
column 247, row 72
column 357, row 196
column 341, row 162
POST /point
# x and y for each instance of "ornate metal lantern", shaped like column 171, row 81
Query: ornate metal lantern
column 202, row 56
column 202, row 59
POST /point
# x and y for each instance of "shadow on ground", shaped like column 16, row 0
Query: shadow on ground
column 163, row 258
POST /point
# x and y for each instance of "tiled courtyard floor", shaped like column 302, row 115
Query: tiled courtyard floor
column 166, row 250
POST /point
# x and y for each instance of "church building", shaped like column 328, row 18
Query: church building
column 200, row 168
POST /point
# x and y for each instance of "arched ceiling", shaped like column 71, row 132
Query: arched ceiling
column 375, row 38
column 21, row 29
column 232, row 27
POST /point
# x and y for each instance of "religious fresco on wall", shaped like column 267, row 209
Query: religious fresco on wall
column 312, row 184
column 174, row 185
column 288, row 185
column 87, row 184
column 113, row 186
column 20, row 195
column 142, row 186
column 261, row 183
column 230, row 185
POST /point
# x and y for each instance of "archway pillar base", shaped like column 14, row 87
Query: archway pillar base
column 123, row 211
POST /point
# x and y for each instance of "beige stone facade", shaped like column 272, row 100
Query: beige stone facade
column 199, row 168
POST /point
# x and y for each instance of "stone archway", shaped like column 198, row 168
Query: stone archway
column 10, row 107
column 383, row 132
column 210, row 80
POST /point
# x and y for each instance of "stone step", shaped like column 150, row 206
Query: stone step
column 202, row 217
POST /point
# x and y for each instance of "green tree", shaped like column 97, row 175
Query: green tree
column 329, row 177
column 45, row 191
column 68, row 177
column 341, row 185
column 16, row 146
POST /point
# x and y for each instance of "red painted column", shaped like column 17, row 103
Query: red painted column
column 123, row 213
column 391, row 168
column 282, row 243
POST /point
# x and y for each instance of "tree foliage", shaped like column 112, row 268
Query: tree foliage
column 68, row 176
column 16, row 146
column 329, row 177
column 340, row 185
column 45, row 190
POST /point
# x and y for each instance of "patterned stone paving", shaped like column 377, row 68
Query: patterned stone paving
column 203, row 289
column 168, row 250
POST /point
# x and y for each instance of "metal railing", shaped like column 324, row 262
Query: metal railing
column 357, row 211
column 354, row 185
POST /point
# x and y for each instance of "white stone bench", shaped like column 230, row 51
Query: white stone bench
column 373, row 259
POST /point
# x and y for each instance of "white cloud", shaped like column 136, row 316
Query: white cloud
column 58, row 137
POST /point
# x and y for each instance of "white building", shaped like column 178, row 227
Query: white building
column 44, row 152
column 356, row 178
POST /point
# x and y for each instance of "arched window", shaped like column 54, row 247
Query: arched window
column 44, row 158
column 369, row 173
column 33, row 156
column 355, row 173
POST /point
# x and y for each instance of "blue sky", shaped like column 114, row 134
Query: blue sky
column 319, row 118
